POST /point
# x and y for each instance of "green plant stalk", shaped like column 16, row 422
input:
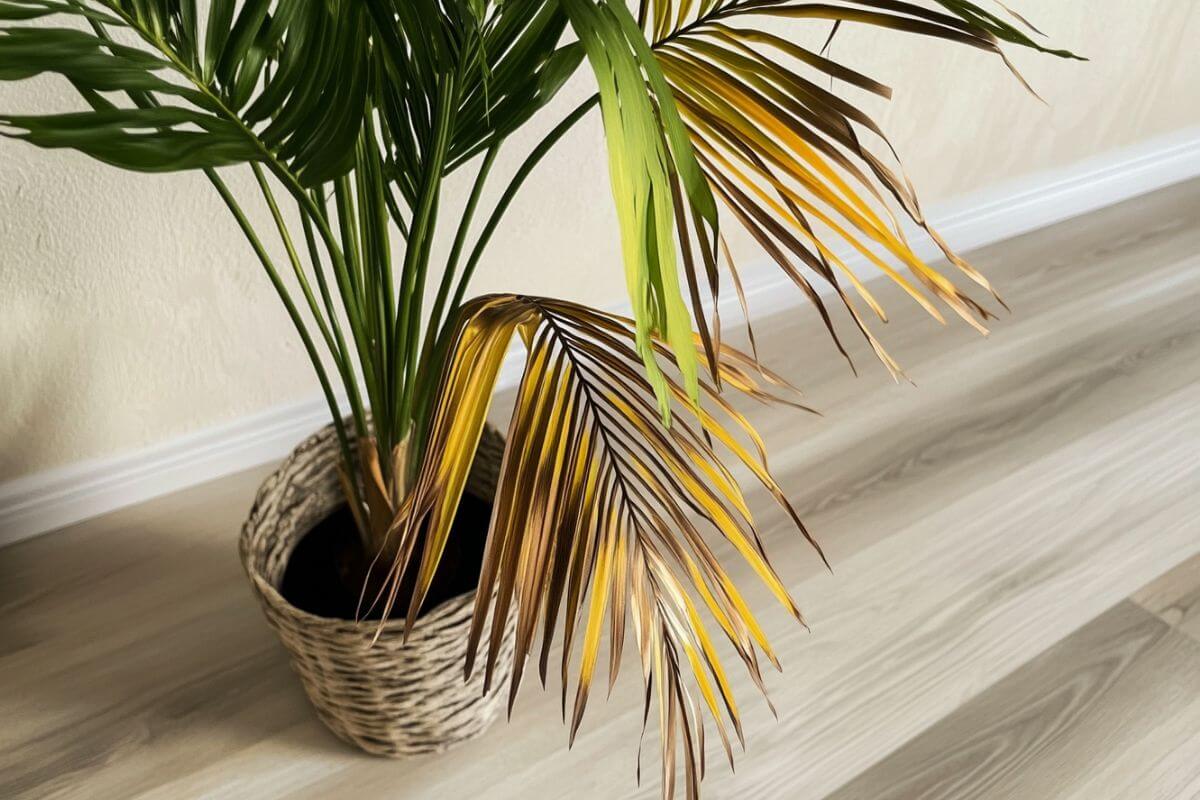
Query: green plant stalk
column 297, row 266
column 393, row 208
column 366, row 333
column 460, row 239
column 367, row 343
column 347, row 219
column 310, row 210
column 294, row 313
column 427, row 375
column 336, row 344
column 349, row 379
column 330, row 331
column 435, row 353
column 514, row 186
column 416, row 256
column 341, row 268
column 376, row 255
column 314, row 210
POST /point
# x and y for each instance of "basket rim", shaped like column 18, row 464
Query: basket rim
column 391, row 626
column 253, row 529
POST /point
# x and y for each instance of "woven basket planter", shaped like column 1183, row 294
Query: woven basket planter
column 392, row 698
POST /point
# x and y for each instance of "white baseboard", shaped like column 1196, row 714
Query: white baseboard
column 52, row 499
column 49, row 500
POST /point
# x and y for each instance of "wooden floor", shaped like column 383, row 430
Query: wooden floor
column 1014, row 612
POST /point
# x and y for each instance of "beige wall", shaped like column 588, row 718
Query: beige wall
column 133, row 312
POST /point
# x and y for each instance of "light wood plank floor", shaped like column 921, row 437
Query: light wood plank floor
column 1014, row 612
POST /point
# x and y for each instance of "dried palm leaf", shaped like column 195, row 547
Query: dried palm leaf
column 602, row 514
column 788, row 159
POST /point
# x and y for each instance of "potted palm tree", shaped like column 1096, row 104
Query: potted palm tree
column 409, row 543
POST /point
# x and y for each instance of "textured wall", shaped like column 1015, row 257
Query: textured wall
column 133, row 311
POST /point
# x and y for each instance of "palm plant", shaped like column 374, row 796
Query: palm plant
column 351, row 114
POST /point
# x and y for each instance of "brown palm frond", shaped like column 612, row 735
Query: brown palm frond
column 788, row 158
column 601, row 512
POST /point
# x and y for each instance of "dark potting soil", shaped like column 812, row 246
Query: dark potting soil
column 326, row 571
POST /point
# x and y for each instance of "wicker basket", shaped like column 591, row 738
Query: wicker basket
column 392, row 698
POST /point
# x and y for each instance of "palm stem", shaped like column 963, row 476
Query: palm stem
column 349, row 378
column 144, row 99
column 294, row 314
column 416, row 257
column 376, row 254
column 440, row 342
column 427, row 373
column 514, row 186
column 298, row 268
column 460, row 239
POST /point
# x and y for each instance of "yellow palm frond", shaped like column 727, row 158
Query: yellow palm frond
column 602, row 515
column 788, row 158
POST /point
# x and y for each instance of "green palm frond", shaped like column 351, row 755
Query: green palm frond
column 506, row 65
column 222, row 104
column 648, row 152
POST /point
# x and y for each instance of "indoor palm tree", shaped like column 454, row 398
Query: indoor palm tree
column 350, row 114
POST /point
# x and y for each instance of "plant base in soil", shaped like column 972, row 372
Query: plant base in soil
column 326, row 572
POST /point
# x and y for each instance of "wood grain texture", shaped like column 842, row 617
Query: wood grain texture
column 1096, row 715
column 1175, row 597
column 1030, row 483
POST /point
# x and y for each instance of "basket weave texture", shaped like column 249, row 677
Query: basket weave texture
column 392, row 698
